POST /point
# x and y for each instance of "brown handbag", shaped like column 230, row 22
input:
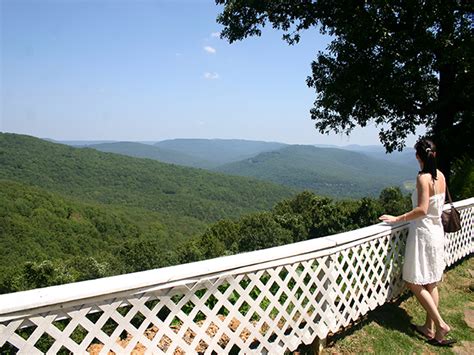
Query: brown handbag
column 450, row 218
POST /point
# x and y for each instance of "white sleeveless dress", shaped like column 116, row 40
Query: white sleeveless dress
column 424, row 254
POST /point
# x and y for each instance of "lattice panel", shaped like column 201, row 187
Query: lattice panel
column 265, row 311
column 461, row 243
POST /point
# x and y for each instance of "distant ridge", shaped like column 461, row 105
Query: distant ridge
column 211, row 153
column 79, row 143
column 220, row 151
column 231, row 156
column 327, row 171
column 140, row 150
column 406, row 157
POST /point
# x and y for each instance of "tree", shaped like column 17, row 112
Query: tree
column 400, row 64
column 44, row 274
column 366, row 212
column 462, row 183
column 83, row 268
column 260, row 231
column 393, row 202
column 223, row 237
column 141, row 255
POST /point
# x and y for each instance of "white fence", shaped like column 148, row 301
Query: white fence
column 266, row 301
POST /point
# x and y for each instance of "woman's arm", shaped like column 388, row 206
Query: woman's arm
column 423, row 191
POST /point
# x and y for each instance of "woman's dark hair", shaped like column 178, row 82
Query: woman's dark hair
column 426, row 149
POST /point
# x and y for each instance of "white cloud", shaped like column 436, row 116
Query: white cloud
column 211, row 76
column 215, row 34
column 209, row 49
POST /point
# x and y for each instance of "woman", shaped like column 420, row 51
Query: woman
column 424, row 253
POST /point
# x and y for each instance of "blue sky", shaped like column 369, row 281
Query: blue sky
column 152, row 70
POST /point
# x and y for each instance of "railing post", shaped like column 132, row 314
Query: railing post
column 318, row 345
column 315, row 348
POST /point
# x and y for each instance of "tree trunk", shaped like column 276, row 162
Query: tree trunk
column 443, row 127
column 446, row 110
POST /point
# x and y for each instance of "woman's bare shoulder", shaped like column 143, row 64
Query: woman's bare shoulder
column 423, row 177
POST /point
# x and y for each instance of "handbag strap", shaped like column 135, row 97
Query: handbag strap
column 449, row 196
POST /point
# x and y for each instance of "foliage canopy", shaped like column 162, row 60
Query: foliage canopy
column 46, row 239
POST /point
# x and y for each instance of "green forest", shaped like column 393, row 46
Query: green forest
column 353, row 172
column 325, row 171
column 140, row 150
column 47, row 239
column 70, row 214
column 114, row 179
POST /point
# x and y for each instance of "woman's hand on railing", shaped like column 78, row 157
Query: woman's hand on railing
column 390, row 219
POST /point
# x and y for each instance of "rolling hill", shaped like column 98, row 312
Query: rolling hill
column 68, row 214
column 219, row 151
column 47, row 238
column 38, row 225
column 326, row 171
column 114, row 179
column 406, row 157
column 140, row 150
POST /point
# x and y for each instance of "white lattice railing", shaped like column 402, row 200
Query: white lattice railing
column 266, row 301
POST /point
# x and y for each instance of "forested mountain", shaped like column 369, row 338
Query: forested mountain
column 129, row 182
column 48, row 239
column 406, row 157
column 36, row 225
column 349, row 171
column 219, row 151
column 140, row 150
column 70, row 214
column 327, row 171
